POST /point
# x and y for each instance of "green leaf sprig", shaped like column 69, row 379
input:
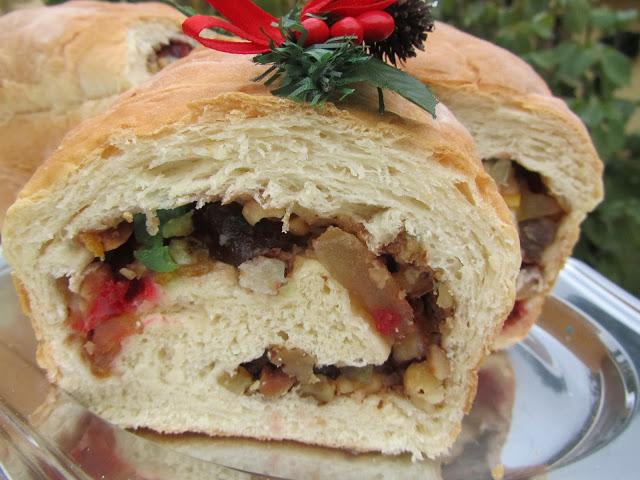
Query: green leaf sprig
column 330, row 71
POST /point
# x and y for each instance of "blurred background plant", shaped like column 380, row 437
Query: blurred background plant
column 588, row 52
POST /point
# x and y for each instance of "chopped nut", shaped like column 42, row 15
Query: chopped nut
column 444, row 300
column 344, row 386
column 294, row 362
column 262, row 275
column 411, row 347
column 237, row 383
column 253, row 212
column 422, row 387
column 438, row 362
column 323, row 391
column 127, row 273
column 374, row 385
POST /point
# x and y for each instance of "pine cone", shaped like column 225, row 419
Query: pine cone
column 413, row 22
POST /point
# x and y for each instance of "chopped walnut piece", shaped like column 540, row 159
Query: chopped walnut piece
column 422, row 387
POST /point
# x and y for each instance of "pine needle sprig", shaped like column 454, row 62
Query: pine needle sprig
column 314, row 74
column 413, row 22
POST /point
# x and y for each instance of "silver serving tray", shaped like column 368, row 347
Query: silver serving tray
column 563, row 404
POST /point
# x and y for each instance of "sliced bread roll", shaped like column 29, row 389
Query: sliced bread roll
column 207, row 257
column 61, row 64
column 537, row 150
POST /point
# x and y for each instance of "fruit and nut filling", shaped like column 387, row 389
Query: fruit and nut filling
column 165, row 55
column 280, row 370
column 404, row 299
column 538, row 215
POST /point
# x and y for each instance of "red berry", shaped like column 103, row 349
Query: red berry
column 317, row 31
column 386, row 321
column 377, row 25
column 348, row 27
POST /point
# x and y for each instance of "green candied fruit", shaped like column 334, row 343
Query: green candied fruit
column 178, row 227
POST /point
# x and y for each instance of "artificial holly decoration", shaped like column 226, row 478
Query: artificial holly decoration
column 316, row 53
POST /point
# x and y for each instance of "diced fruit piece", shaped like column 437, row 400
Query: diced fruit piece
column 323, row 391
column 294, row 362
column 367, row 279
column 107, row 341
column 274, row 382
column 422, row 387
column 178, row 227
column 107, row 297
column 537, row 205
column 115, row 237
column 262, row 275
column 92, row 243
column 237, row 383
column 187, row 251
column 387, row 321
column 513, row 200
column 535, row 236
column 297, row 226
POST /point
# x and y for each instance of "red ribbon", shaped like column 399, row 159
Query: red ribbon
column 249, row 22
column 345, row 8
column 246, row 20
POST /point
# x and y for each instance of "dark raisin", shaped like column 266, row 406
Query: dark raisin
column 535, row 236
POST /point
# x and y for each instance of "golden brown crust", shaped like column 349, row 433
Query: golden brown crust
column 186, row 90
column 59, row 65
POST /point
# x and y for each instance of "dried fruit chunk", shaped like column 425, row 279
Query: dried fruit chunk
column 274, row 382
column 367, row 279
column 107, row 341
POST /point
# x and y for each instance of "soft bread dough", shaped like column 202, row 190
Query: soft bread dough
column 200, row 131
column 511, row 113
column 62, row 64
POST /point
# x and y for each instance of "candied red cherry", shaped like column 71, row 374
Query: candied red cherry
column 317, row 31
column 377, row 25
column 348, row 27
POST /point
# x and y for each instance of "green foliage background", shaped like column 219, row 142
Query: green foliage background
column 584, row 49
